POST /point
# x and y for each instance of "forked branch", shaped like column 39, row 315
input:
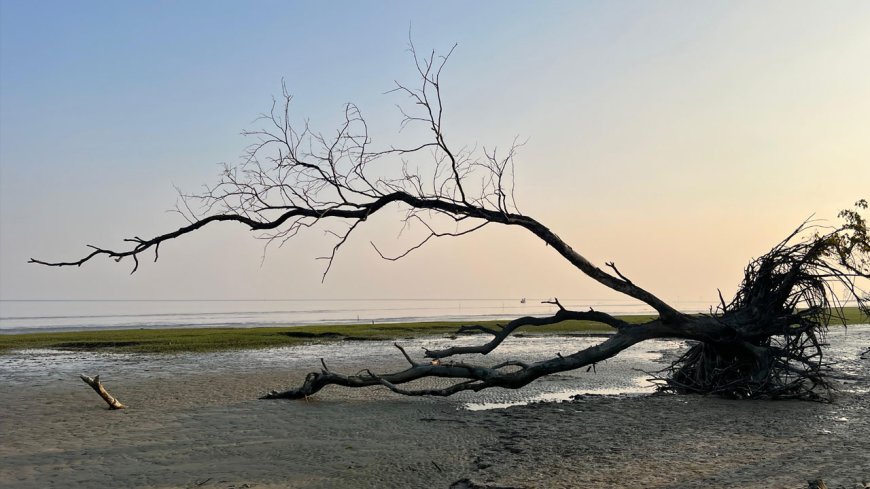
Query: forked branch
column 99, row 389
column 502, row 334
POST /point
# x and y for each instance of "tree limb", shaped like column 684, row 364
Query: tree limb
column 506, row 330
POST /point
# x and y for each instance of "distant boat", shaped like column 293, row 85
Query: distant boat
column 523, row 300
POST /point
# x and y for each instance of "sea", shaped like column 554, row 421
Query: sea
column 20, row 316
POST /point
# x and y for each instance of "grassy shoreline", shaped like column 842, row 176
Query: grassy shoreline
column 218, row 339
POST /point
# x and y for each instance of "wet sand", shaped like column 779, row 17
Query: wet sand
column 194, row 421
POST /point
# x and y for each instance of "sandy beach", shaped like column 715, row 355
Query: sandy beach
column 195, row 421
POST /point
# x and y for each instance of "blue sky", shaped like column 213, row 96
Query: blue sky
column 677, row 139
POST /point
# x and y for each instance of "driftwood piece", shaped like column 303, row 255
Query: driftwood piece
column 98, row 387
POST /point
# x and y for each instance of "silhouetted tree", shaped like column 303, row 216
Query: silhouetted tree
column 767, row 342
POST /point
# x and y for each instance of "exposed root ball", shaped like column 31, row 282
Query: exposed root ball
column 779, row 317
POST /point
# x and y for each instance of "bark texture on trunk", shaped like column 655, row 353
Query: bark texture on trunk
column 98, row 387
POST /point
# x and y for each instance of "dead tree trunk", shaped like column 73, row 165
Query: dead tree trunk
column 767, row 342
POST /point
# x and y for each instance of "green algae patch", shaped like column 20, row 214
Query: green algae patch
column 218, row 339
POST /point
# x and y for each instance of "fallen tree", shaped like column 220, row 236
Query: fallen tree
column 765, row 343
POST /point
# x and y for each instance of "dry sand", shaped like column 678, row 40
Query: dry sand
column 192, row 428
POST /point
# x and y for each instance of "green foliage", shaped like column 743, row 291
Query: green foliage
column 851, row 247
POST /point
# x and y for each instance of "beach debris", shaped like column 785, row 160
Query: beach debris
column 98, row 387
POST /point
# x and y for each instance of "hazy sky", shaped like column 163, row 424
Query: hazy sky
column 678, row 139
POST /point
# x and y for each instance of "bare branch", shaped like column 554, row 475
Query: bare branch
column 474, row 377
column 405, row 354
column 616, row 270
column 499, row 336
column 432, row 234
column 555, row 302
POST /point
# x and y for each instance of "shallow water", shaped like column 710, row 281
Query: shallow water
column 18, row 316
column 621, row 375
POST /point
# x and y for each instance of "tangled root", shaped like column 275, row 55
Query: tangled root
column 779, row 317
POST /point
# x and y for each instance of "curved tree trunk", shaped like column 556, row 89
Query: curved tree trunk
column 767, row 343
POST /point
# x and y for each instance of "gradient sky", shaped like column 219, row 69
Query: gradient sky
column 678, row 139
